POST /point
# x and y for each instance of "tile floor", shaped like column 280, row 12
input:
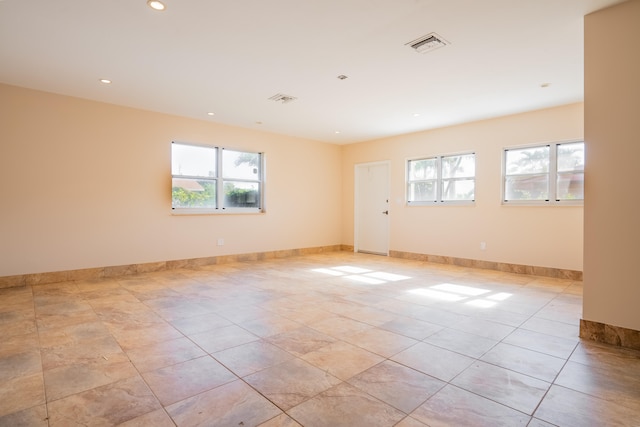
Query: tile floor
column 336, row 339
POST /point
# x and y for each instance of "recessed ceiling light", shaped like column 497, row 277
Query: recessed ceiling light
column 211, row 114
column 416, row 114
column 337, row 131
column 156, row 4
column 105, row 81
column 342, row 77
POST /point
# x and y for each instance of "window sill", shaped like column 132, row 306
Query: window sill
column 549, row 203
column 445, row 203
column 226, row 211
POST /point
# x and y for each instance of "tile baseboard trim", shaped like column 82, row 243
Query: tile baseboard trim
column 130, row 269
column 609, row 334
column 557, row 273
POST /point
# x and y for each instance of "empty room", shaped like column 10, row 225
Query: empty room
column 280, row 213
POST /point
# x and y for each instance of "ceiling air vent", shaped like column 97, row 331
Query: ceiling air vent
column 280, row 97
column 427, row 43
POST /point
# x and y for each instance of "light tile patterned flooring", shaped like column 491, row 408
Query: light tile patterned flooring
column 336, row 339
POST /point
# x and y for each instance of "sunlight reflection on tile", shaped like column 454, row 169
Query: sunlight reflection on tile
column 460, row 289
column 500, row 296
column 365, row 279
column 482, row 303
column 445, row 296
column 390, row 277
column 328, row 271
column 351, row 269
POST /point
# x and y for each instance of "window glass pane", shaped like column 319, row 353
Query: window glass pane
column 240, row 165
column 241, row 194
column 527, row 187
column 423, row 169
column 193, row 193
column 570, row 186
column 458, row 189
column 527, row 160
column 422, row 191
column 459, row 166
column 193, row 160
column 571, row 157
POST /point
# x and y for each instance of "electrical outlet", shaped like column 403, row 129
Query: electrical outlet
column 483, row 246
column 220, row 241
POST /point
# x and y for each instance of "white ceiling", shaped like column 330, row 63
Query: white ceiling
column 230, row 56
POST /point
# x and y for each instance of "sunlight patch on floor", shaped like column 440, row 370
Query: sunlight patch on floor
column 462, row 293
column 362, row 275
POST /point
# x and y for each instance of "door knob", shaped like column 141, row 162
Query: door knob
column 386, row 212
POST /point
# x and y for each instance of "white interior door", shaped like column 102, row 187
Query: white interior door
column 372, row 208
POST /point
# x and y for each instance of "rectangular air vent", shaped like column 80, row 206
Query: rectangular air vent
column 280, row 97
column 427, row 43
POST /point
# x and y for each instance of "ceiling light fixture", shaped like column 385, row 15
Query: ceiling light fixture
column 156, row 5
column 105, row 81
column 211, row 114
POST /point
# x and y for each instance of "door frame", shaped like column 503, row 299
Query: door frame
column 356, row 201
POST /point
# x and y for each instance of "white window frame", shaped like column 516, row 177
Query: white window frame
column 439, row 180
column 220, row 179
column 552, row 199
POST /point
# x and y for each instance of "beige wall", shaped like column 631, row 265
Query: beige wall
column 612, row 132
column 538, row 236
column 86, row 184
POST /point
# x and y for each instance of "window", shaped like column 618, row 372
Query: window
column 544, row 174
column 214, row 179
column 447, row 179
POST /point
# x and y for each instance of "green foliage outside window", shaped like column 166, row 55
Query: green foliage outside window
column 183, row 198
